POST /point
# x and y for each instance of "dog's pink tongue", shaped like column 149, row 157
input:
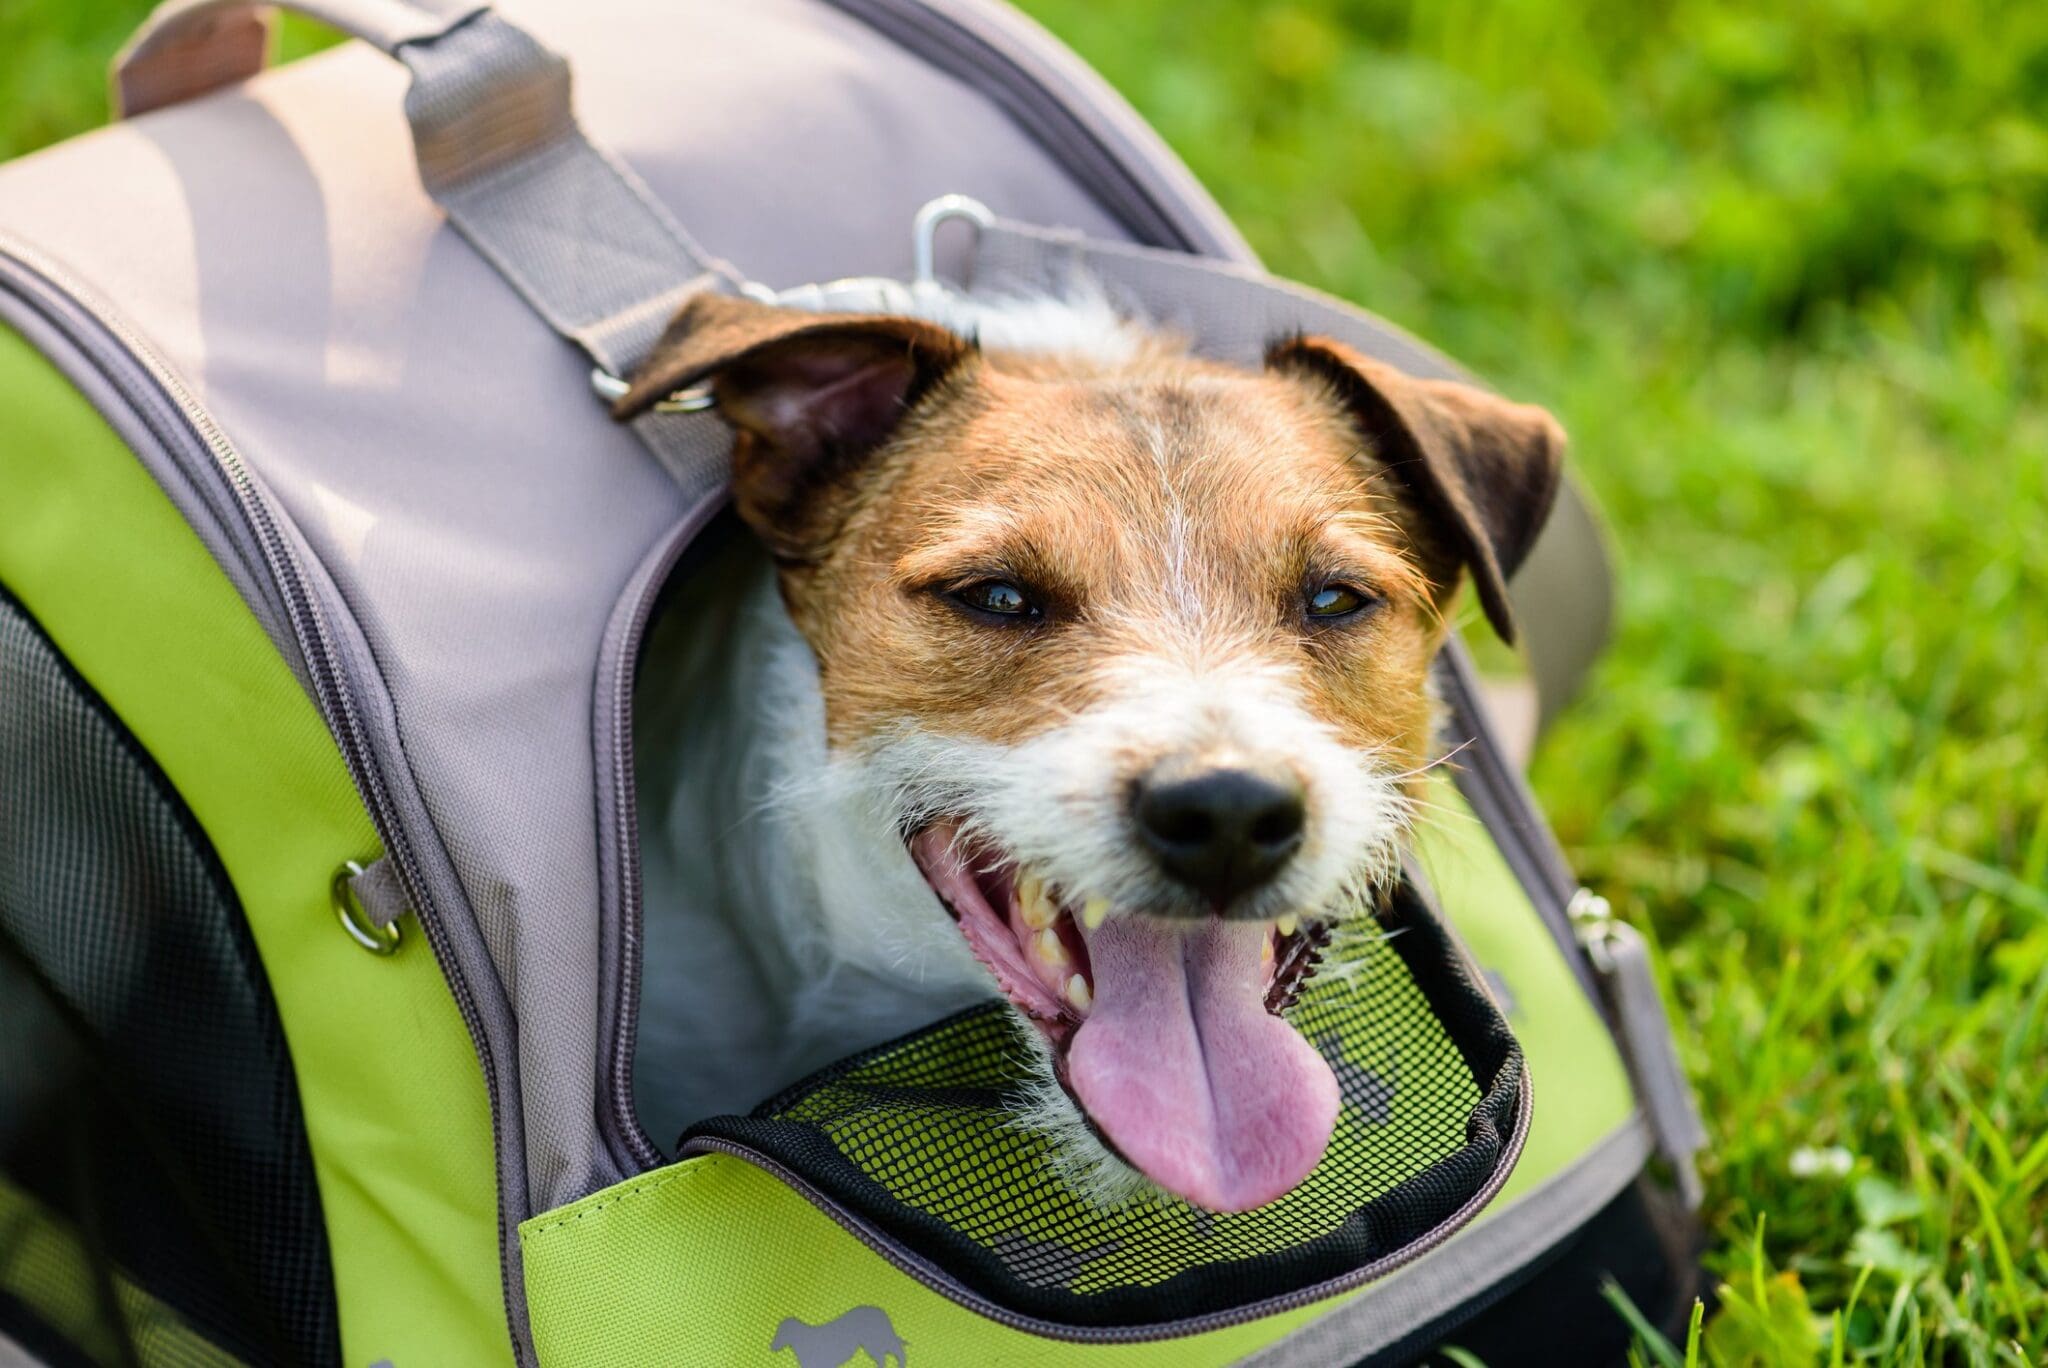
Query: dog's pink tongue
column 1196, row 1084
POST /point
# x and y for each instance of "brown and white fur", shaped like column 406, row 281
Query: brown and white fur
column 868, row 746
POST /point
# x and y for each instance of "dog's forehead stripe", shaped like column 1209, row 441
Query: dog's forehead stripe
column 1161, row 502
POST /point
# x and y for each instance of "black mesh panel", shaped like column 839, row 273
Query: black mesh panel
column 918, row 1140
column 146, row 1095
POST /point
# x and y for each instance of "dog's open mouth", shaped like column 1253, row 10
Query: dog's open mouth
column 1167, row 1035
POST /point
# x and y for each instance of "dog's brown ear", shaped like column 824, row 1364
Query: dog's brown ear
column 1485, row 470
column 808, row 395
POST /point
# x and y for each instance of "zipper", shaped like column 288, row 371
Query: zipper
column 199, row 449
column 620, row 1117
column 951, row 1288
column 623, row 1122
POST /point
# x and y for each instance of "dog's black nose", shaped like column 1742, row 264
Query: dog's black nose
column 1220, row 831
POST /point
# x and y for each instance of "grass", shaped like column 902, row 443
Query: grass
column 1780, row 269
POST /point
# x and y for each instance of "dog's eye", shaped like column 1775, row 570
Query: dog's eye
column 999, row 598
column 1336, row 601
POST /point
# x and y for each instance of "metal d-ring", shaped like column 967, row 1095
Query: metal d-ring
column 610, row 388
column 348, row 909
column 925, row 229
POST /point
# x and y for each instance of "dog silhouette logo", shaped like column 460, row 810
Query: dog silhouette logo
column 864, row 1329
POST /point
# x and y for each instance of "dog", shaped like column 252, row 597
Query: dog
column 1081, row 672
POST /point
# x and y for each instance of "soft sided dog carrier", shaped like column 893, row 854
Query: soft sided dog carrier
column 325, row 582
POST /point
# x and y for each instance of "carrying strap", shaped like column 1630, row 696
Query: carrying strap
column 569, row 226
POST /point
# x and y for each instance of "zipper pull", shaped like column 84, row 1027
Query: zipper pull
column 1622, row 960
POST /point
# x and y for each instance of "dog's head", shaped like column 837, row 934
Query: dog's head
column 1132, row 654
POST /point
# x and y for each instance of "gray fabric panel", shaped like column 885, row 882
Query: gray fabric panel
column 1505, row 1239
column 438, row 448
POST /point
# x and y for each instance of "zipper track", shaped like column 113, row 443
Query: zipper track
column 621, row 1118
column 940, row 1282
column 131, row 366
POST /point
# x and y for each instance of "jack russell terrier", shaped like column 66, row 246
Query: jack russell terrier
column 1088, row 673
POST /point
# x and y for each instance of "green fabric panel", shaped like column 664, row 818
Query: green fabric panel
column 1576, row 1075
column 393, row 1097
column 44, row 1266
column 701, row 1261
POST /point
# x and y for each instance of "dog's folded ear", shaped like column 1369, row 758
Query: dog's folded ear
column 1484, row 470
column 809, row 396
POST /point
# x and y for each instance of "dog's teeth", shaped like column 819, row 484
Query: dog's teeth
column 1048, row 907
column 1288, row 924
column 1033, row 905
column 1078, row 996
column 1094, row 912
column 1266, row 950
column 1051, row 949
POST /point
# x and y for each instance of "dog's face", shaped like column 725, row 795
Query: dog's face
column 1132, row 656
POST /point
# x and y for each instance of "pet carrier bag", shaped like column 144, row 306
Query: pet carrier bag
column 325, row 586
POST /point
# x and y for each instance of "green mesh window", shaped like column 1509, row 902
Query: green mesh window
column 915, row 1140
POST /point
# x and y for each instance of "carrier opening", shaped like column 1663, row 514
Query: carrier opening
column 929, row 1132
